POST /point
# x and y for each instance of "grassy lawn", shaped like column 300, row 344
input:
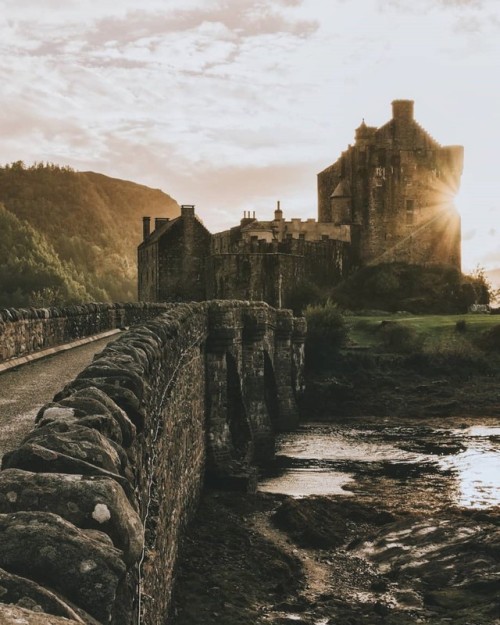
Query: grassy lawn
column 364, row 330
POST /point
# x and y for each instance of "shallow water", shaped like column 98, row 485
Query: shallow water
column 415, row 465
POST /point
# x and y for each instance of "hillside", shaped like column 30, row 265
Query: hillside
column 79, row 229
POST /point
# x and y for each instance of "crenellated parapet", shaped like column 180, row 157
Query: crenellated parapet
column 94, row 500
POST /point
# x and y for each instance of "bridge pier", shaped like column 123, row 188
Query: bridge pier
column 259, row 384
column 283, row 365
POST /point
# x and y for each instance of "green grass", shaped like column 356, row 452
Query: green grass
column 364, row 330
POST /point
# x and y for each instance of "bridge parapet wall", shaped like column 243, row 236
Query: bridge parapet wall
column 93, row 503
column 24, row 331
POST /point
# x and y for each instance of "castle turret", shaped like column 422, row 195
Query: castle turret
column 364, row 134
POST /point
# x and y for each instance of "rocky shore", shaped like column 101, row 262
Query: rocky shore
column 257, row 559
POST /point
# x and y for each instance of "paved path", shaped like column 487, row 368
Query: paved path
column 25, row 390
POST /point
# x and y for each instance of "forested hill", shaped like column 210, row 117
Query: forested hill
column 68, row 236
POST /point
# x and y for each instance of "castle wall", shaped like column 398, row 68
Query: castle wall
column 253, row 276
column 148, row 273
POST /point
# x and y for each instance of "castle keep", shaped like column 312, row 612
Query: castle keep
column 387, row 198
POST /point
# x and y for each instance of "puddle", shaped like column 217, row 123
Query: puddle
column 308, row 481
column 455, row 466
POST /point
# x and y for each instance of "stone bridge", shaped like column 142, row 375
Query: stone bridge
column 93, row 502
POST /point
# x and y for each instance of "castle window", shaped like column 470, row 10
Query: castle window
column 410, row 211
column 324, row 237
column 302, row 237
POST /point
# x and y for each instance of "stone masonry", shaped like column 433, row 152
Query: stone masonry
column 95, row 499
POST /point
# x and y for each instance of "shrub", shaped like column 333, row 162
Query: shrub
column 400, row 338
column 326, row 334
column 303, row 294
column 490, row 339
column 461, row 326
column 452, row 355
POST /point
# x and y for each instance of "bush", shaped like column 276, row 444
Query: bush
column 303, row 294
column 461, row 326
column 490, row 339
column 436, row 289
column 326, row 334
column 400, row 338
column 451, row 355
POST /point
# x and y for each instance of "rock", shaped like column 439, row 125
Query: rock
column 124, row 398
column 87, row 502
column 105, row 425
column 126, row 426
column 14, row 615
column 28, row 594
column 47, row 549
column 31, row 457
column 125, row 378
column 78, row 442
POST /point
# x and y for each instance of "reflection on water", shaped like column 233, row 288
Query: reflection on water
column 461, row 466
column 477, row 468
column 310, row 481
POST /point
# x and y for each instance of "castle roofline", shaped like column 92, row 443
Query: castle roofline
column 158, row 232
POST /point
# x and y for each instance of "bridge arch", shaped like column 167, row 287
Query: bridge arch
column 239, row 428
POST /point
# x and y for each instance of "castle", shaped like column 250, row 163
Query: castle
column 387, row 198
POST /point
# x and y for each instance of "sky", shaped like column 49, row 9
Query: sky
column 232, row 105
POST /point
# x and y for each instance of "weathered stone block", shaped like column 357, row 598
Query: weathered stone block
column 47, row 549
column 29, row 595
column 88, row 503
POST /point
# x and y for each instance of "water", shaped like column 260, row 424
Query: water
column 418, row 466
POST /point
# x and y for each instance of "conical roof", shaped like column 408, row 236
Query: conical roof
column 341, row 190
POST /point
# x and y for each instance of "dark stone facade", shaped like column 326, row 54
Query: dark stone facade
column 388, row 198
column 94, row 501
column 395, row 187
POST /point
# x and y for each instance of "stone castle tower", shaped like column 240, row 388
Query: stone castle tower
column 394, row 188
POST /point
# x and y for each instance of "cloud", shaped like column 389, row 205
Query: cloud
column 423, row 5
column 469, row 235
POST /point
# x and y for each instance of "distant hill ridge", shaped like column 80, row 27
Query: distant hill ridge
column 68, row 236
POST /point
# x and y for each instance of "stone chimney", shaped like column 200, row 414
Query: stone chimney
column 146, row 227
column 159, row 221
column 187, row 211
column 278, row 213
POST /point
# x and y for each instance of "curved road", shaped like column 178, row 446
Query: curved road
column 23, row 391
